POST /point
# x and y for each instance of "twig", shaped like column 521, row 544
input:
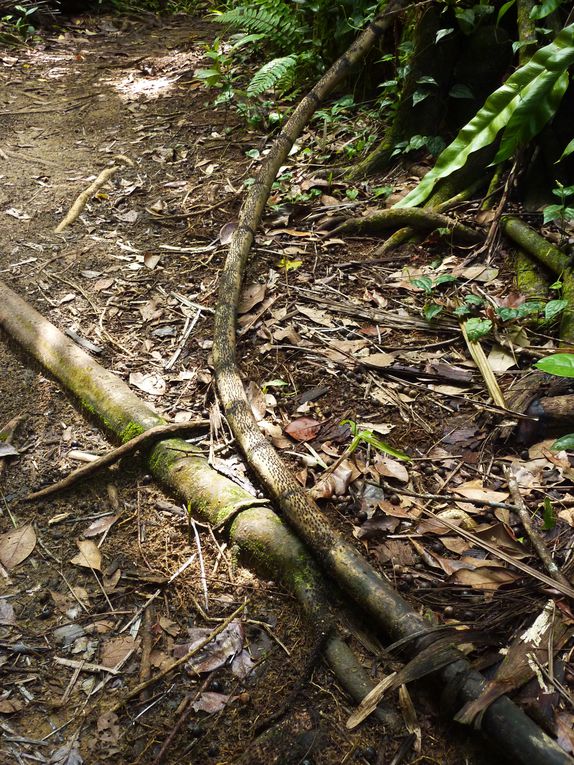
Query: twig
column 154, row 595
column 143, row 440
column 82, row 199
column 450, row 498
column 160, row 675
column 535, row 538
column 201, row 564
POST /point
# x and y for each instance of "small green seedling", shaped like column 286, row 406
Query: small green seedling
column 368, row 437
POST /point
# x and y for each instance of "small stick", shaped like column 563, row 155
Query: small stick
column 82, row 199
column 144, row 439
column 160, row 675
column 535, row 538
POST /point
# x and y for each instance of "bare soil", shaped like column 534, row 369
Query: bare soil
column 129, row 277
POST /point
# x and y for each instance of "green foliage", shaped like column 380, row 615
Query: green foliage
column 477, row 328
column 276, row 22
column 367, row 436
column 561, row 212
column 548, row 514
column 17, row 26
column 559, row 364
column 521, row 107
column 277, row 73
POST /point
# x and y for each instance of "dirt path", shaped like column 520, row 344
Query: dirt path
column 134, row 280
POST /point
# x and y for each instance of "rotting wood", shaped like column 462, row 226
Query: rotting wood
column 252, row 527
column 513, row 731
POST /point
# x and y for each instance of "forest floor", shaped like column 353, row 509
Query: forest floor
column 134, row 281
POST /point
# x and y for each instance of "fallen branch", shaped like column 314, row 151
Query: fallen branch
column 82, row 199
column 251, row 526
column 143, row 440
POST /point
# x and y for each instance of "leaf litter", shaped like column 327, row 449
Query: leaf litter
column 346, row 348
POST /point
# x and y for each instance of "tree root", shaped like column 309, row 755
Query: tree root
column 250, row 526
column 551, row 257
column 514, row 732
column 413, row 217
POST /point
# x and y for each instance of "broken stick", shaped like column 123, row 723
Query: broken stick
column 139, row 442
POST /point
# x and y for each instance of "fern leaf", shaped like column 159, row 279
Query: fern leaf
column 271, row 74
column 279, row 24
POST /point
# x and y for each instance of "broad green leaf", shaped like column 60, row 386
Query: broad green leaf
column 567, row 151
column 552, row 212
column 559, row 364
column 507, row 314
column 505, row 8
column 539, row 75
column 444, row 33
column 444, row 279
column 460, row 91
column 423, row 283
column 566, row 443
column 461, row 311
column 431, row 311
column 539, row 104
column 553, row 308
column 545, row 8
column 476, row 328
column 473, row 300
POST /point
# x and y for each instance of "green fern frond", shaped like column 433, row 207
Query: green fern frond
column 279, row 24
column 273, row 74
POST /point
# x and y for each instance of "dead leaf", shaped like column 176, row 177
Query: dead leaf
column 391, row 468
column 153, row 384
column 226, row 232
column 16, row 545
column 319, row 317
column 378, row 360
column 100, row 525
column 251, row 296
column 303, row 429
column 7, row 450
column 7, row 615
column 483, row 578
column 216, row 653
column 89, row 556
column 151, row 260
column 116, row 649
column 335, row 484
column 9, row 706
column 211, row 702
column 475, row 490
column 256, row 400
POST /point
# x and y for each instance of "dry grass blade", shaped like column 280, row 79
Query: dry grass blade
column 479, row 358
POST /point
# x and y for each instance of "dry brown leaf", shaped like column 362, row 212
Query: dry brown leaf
column 89, row 556
column 153, row 384
column 475, row 490
column 483, row 578
column 16, row 545
column 9, row 706
column 335, row 484
column 100, row 525
column 256, row 400
column 7, row 615
column 116, row 649
column 251, row 296
column 391, row 468
column 319, row 317
column 303, row 429
column 378, row 360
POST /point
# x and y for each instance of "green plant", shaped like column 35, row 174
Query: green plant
column 520, row 108
column 367, row 436
column 17, row 26
column 561, row 365
column 560, row 212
